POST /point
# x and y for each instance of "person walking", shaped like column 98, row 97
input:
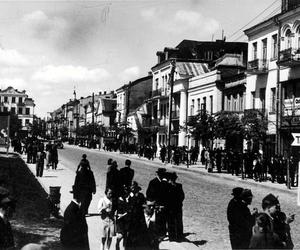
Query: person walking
column 85, row 184
column 106, row 209
column 74, row 233
column 113, row 180
column 163, row 152
column 126, row 174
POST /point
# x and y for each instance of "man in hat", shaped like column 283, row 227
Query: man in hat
column 126, row 174
column 6, row 235
column 74, row 233
column 174, row 208
column 240, row 218
column 85, row 184
column 157, row 191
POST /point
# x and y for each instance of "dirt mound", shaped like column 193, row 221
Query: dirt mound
column 30, row 221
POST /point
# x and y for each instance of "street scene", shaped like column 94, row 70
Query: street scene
column 147, row 125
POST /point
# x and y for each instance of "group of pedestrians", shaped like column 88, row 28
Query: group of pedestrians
column 268, row 229
column 137, row 221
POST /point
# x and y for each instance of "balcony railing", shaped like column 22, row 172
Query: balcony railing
column 257, row 66
column 289, row 57
column 156, row 92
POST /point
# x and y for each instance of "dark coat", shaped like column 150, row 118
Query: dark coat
column 6, row 235
column 240, row 224
column 85, row 181
column 158, row 191
column 113, row 180
column 126, row 176
column 268, row 240
column 74, row 233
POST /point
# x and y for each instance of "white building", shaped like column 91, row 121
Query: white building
column 273, row 81
column 17, row 102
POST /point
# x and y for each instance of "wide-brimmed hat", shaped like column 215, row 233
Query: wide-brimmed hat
column 161, row 171
column 237, row 191
column 246, row 193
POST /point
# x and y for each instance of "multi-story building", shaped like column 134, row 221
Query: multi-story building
column 274, row 74
column 132, row 95
column 17, row 102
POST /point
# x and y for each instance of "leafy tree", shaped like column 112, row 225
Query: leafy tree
column 15, row 125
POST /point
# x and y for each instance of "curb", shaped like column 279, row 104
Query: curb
column 170, row 166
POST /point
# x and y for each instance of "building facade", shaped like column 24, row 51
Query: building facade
column 17, row 102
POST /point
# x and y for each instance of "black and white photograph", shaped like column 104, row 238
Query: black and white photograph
column 149, row 124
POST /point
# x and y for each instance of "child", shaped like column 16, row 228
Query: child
column 105, row 208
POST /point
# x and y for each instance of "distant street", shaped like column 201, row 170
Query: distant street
column 205, row 221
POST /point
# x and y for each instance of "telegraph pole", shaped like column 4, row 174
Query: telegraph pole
column 93, row 113
column 171, row 81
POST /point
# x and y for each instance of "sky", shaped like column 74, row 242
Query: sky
column 49, row 48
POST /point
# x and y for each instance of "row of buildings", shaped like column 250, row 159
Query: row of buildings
column 262, row 75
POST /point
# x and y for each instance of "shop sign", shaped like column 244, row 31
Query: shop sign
column 296, row 141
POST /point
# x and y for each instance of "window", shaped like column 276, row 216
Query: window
column 192, row 107
column 13, row 110
column 156, row 83
column 253, row 99
column 262, row 97
column 264, row 49
column 274, row 46
column 211, row 104
column 198, row 105
column 254, row 48
column 13, row 99
column 27, row 111
column 20, row 100
column 5, row 109
column 204, row 103
column 20, row 111
column 241, row 102
column 26, row 121
column 273, row 100
column 208, row 55
column 5, row 99
column 288, row 35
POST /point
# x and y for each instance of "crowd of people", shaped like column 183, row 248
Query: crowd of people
column 137, row 221
column 268, row 229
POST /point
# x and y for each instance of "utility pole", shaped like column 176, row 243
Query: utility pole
column 171, row 81
column 93, row 114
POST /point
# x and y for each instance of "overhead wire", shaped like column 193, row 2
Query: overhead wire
column 253, row 19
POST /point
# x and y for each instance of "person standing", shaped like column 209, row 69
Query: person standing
column 126, row 174
column 158, row 191
column 240, row 218
column 54, row 156
column 113, row 181
column 85, row 184
column 174, row 208
column 163, row 152
column 74, row 233
column 6, row 234
column 106, row 210
column 40, row 161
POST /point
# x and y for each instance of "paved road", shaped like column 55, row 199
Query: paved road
column 206, row 200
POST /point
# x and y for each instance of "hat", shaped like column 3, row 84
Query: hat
column 127, row 162
column 246, row 193
column 109, row 161
column 237, row 191
column 161, row 171
column 135, row 186
column 269, row 201
column 173, row 176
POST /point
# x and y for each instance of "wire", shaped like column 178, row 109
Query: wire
column 253, row 18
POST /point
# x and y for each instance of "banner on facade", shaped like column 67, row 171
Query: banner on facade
column 296, row 141
column 4, row 129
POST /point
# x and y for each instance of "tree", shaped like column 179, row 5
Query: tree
column 15, row 125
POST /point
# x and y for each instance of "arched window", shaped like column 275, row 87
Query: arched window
column 297, row 36
column 288, row 35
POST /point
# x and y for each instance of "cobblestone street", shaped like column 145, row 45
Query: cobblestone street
column 207, row 196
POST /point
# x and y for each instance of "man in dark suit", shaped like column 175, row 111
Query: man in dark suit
column 158, row 191
column 6, row 235
column 74, row 233
column 113, row 179
column 126, row 174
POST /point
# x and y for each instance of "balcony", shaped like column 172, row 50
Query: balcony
column 258, row 66
column 156, row 92
column 175, row 115
column 289, row 57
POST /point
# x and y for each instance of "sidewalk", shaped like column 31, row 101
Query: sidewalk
column 64, row 178
column 198, row 168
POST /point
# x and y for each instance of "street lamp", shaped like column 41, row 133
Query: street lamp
column 188, row 135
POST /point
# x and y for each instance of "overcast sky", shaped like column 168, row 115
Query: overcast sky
column 50, row 47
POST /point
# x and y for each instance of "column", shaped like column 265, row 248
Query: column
column 182, row 119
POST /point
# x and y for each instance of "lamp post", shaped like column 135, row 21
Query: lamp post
column 188, row 135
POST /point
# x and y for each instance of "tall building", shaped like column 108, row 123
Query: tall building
column 274, row 74
column 17, row 102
